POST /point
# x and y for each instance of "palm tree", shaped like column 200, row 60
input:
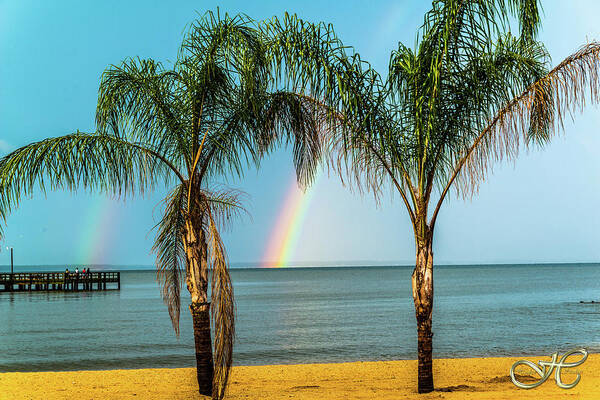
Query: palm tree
column 470, row 93
column 215, row 111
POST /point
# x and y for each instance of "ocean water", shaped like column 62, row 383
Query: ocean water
column 307, row 315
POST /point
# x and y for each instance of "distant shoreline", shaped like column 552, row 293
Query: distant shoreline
column 475, row 378
column 249, row 266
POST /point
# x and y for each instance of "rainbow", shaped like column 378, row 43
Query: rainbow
column 94, row 241
column 288, row 225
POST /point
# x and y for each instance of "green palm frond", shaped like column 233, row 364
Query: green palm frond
column 142, row 101
column 344, row 90
column 504, row 71
column 291, row 117
column 236, row 131
column 230, row 41
column 528, row 14
column 88, row 161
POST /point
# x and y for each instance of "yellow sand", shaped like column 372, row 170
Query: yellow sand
column 474, row 378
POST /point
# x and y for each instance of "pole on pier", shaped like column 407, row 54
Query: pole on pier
column 11, row 261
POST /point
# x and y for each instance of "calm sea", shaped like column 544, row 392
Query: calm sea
column 305, row 315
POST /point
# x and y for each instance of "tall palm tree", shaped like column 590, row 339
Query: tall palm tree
column 215, row 111
column 469, row 93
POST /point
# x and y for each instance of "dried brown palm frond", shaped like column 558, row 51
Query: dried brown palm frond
column 222, row 308
column 225, row 204
column 170, row 252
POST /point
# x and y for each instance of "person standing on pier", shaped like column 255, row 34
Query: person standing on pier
column 64, row 285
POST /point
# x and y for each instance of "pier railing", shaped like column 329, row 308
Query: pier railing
column 59, row 281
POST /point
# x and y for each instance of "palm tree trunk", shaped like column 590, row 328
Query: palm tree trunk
column 202, row 339
column 422, row 288
column 197, row 283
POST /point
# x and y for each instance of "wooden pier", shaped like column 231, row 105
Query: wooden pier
column 59, row 281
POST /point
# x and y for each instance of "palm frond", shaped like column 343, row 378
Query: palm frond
column 345, row 98
column 222, row 309
column 81, row 160
column 232, row 144
column 528, row 13
column 223, row 65
column 533, row 117
column 142, row 102
column 217, row 39
column 291, row 117
column 225, row 204
column 536, row 114
column 170, row 252
column 475, row 93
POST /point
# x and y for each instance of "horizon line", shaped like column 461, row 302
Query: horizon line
column 322, row 264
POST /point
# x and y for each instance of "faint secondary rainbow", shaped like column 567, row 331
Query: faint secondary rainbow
column 96, row 235
column 284, row 236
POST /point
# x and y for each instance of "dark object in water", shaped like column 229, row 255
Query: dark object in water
column 589, row 302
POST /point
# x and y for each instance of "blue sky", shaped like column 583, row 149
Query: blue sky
column 542, row 208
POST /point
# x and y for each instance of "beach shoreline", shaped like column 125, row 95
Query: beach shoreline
column 456, row 378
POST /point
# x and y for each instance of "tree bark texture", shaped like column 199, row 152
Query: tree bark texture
column 197, row 283
column 202, row 339
column 422, row 291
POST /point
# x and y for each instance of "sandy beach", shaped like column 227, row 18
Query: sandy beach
column 472, row 378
